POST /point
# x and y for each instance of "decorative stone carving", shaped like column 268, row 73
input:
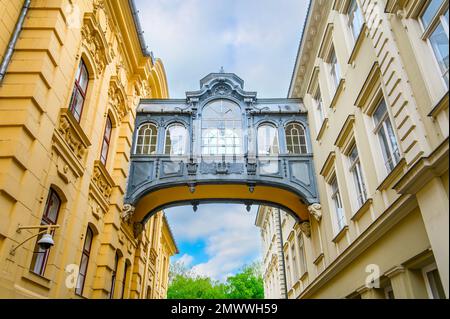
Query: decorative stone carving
column 102, row 181
column 316, row 211
column 71, row 138
column 305, row 227
column 138, row 228
column 117, row 98
column 127, row 212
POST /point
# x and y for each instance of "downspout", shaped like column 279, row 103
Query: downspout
column 283, row 263
column 12, row 43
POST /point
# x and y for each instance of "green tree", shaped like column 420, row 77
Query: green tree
column 184, row 284
column 247, row 284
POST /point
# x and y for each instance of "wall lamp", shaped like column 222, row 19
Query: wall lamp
column 46, row 241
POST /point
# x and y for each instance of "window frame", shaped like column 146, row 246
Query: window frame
column 425, row 271
column 394, row 154
column 85, row 253
column 336, row 197
column 45, row 221
column 356, row 170
column 320, row 107
column 334, row 68
column 185, row 137
column 301, row 255
column 300, row 146
column 78, row 89
column 114, row 276
column 106, row 140
column 351, row 17
column 276, row 147
column 437, row 20
column 143, row 144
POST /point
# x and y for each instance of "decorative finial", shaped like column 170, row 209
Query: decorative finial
column 222, row 70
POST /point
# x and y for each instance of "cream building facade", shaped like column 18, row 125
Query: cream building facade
column 75, row 73
column 374, row 78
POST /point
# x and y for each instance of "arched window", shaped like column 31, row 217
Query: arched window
column 268, row 140
column 50, row 217
column 221, row 128
column 176, row 140
column 106, row 141
column 84, row 261
column 296, row 139
column 114, row 276
column 125, row 277
column 79, row 91
column 147, row 140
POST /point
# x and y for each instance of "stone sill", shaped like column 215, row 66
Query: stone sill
column 393, row 175
column 37, row 279
column 340, row 235
column 322, row 129
column 364, row 208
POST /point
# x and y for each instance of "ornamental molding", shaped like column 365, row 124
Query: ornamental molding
column 93, row 34
column 71, row 143
column 102, row 184
column 127, row 213
column 117, row 98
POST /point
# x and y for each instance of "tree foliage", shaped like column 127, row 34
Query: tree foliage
column 185, row 284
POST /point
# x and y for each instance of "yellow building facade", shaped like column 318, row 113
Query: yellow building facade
column 67, row 110
column 374, row 78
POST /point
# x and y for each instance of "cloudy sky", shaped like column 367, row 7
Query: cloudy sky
column 257, row 40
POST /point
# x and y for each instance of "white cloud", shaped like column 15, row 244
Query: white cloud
column 256, row 39
column 230, row 236
column 185, row 260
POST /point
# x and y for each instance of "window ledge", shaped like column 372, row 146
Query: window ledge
column 322, row 129
column 441, row 105
column 36, row 279
column 340, row 88
column 318, row 259
column 340, row 235
column 393, row 176
column 358, row 44
column 364, row 208
column 303, row 276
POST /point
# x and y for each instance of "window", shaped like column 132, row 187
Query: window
column 355, row 19
column 114, row 276
column 79, row 91
column 435, row 23
column 268, row 140
column 295, row 274
column 301, row 254
column 356, row 172
column 433, row 282
column 319, row 107
column 221, row 128
column 176, row 140
column 386, row 136
column 335, row 70
column 149, row 292
column 50, row 217
column 106, row 141
column 147, row 140
column 389, row 292
column 84, row 261
column 288, row 271
column 296, row 139
column 125, row 276
column 338, row 208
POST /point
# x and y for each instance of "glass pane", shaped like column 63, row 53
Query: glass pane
column 88, row 240
column 84, row 264
column 430, row 12
column 52, row 209
column 435, row 284
column 380, row 112
column 439, row 42
column 83, row 78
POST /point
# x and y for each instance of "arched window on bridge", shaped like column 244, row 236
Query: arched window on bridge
column 221, row 128
column 268, row 140
column 296, row 139
column 147, row 140
column 176, row 140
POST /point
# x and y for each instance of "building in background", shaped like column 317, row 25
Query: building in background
column 374, row 78
column 67, row 111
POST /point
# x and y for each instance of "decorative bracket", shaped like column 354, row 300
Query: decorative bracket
column 316, row 211
column 127, row 212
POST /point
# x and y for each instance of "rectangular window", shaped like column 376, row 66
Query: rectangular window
column 288, row 272
column 295, row 274
column 79, row 91
column 106, row 141
column 433, row 282
column 319, row 107
column 338, row 207
column 84, row 262
column 355, row 19
column 50, row 217
column 301, row 254
column 356, row 172
column 435, row 23
column 335, row 70
column 386, row 136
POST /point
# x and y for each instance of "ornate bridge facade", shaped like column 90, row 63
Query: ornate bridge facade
column 221, row 144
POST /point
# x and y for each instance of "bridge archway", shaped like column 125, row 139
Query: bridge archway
column 225, row 157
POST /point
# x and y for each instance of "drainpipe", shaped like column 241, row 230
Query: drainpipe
column 283, row 264
column 12, row 43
